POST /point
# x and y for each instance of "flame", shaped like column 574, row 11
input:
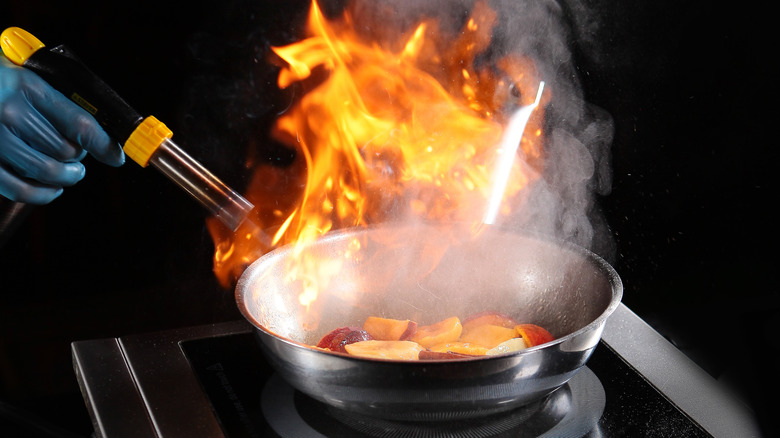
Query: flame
column 387, row 131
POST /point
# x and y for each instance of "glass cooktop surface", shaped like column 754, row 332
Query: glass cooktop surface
column 213, row 381
column 607, row 398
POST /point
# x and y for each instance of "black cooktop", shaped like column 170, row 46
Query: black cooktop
column 213, row 381
column 236, row 378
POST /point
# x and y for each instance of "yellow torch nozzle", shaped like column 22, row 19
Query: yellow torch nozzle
column 18, row 44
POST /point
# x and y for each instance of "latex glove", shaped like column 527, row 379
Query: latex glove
column 43, row 138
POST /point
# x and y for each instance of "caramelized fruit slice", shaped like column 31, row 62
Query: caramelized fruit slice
column 338, row 338
column 488, row 335
column 510, row 346
column 326, row 340
column 460, row 348
column 488, row 318
column 402, row 350
column 444, row 331
column 533, row 335
column 385, row 329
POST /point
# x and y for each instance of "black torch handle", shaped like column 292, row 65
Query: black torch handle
column 68, row 75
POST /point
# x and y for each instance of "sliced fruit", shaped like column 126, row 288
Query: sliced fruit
column 326, row 340
column 436, row 355
column 488, row 318
column 488, row 335
column 402, row 350
column 510, row 346
column 385, row 329
column 338, row 338
column 460, row 348
column 533, row 335
column 444, row 331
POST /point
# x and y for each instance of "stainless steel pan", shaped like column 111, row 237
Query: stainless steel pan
column 420, row 273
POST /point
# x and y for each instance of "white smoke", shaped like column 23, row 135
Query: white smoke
column 577, row 162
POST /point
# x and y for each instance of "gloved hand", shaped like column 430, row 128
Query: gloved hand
column 43, row 138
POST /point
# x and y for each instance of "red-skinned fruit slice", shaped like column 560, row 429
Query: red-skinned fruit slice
column 326, row 340
column 386, row 329
column 533, row 335
column 338, row 338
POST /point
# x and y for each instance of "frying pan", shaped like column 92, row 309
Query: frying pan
column 428, row 273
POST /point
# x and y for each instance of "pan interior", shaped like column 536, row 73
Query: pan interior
column 426, row 274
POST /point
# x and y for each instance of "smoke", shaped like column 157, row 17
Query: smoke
column 563, row 202
column 577, row 162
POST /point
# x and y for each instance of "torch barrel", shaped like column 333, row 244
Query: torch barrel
column 222, row 201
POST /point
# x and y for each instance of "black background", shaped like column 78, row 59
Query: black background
column 125, row 251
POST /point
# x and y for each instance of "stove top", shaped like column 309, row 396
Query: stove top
column 231, row 381
column 213, row 381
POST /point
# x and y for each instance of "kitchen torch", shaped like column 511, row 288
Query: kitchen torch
column 145, row 140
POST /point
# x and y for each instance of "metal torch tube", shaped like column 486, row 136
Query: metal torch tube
column 223, row 202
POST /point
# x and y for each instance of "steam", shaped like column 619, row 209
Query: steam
column 577, row 165
column 562, row 202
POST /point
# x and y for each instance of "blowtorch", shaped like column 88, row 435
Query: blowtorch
column 145, row 140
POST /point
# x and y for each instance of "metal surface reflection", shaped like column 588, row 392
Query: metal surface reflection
column 571, row 411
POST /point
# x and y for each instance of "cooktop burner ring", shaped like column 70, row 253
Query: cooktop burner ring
column 572, row 410
column 454, row 427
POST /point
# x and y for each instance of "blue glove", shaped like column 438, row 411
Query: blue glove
column 43, row 138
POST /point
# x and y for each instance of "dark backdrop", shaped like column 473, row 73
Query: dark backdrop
column 126, row 251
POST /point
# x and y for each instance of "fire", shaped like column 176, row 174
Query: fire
column 388, row 131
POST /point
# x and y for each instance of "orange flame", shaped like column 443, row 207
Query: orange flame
column 386, row 132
